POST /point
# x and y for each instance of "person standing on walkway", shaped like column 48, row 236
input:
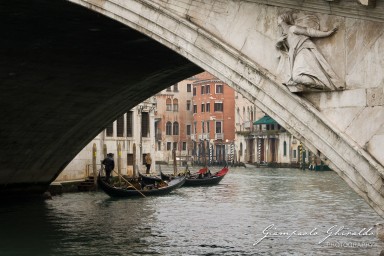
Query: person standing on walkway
column 148, row 162
column 109, row 164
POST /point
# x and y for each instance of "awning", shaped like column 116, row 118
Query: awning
column 265, row 120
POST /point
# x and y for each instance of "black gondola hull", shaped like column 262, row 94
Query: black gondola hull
column 202, row 182
column 125, row 193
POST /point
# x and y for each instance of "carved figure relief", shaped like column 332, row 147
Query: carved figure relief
column 307, row 69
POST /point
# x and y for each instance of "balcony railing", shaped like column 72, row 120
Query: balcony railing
column 247, row 124
column 219, row 136
column 267, row 132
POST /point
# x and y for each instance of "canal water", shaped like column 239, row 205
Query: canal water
column 251, row 212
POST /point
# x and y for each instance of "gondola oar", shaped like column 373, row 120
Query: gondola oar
column 130, row 184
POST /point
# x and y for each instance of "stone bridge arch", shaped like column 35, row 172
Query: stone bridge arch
column 182, row 29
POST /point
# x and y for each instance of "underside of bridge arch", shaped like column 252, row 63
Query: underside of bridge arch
column 67, row 72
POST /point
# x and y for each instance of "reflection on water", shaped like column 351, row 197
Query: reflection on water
column 301, row 208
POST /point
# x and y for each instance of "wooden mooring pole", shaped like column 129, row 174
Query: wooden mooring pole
column 134, row 160
column 94, row 167
column 119, row 161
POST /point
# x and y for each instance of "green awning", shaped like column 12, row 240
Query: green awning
column 265, row 120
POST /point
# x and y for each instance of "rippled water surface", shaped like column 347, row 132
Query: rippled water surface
column 294, row 210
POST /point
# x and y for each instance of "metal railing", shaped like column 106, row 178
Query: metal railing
column 219, row 136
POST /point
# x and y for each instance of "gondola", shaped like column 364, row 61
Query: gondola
column 201, row 178
column 130, row 191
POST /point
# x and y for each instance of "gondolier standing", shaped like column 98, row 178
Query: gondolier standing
column 109, row 164
column 148, row 162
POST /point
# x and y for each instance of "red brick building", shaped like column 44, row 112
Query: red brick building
column 213, row 132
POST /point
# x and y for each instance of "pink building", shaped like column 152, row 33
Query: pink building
column 173, row 121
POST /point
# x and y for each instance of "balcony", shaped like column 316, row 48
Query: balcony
column 206, row 136
column 266, row 133
column 219, row 136
column 247, row 124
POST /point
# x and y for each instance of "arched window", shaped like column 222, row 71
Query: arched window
column 169, row 104
column 175, row 105
column 168, row 128
column 285, row 148
column 175, row 128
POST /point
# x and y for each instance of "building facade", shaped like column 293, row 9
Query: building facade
column 245, row 114
column 213, row 133
column 276, row 146
column 129, row 138
column 173, row 122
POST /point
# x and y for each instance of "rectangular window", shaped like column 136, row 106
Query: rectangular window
column 202, row 108
column 219, row 89
column 194, row 108
column 169, row 89
column 188, row 129
column 194, row 91
column 120, row 126
column 202, row 89
column 207, row 89
column 143, row 158
column 129, row 159
column 194, row 127
column 169, row 144
column 202, row 127
column 184, row 145
column 218, row 127
column 218, row 107
column 144, row 124
column 175, row 145
column 109, row 130
column 129, row 124
column 188, row 105
column 159, row 145
column 208, row 107
column 294, row 153
column 189, row 87
column 208, row 129
column 175, row 87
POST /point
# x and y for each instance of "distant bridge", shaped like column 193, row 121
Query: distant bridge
column 68, row 71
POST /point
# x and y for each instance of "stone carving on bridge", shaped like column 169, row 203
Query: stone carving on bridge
column 305, row 67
